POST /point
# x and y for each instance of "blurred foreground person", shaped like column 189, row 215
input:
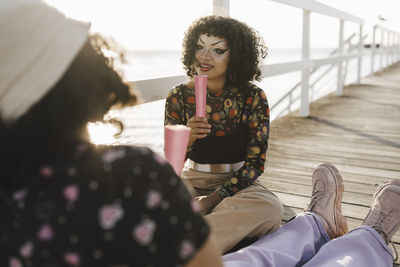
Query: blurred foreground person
column 64, row 201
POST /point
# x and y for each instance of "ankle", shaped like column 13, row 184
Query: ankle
column 326, row 226
column 382, row 233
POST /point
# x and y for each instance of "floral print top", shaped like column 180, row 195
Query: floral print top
column 109, row 206
column 225, row 111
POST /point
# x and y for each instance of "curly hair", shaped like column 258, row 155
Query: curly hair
column 87, row 90
column 246, row 47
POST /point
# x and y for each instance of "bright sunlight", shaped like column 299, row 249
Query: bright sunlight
column 102, row 133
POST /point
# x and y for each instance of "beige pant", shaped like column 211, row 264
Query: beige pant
column 251, row 212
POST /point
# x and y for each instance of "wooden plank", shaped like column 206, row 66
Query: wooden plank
column 342, row 167
column 361, row 199
column 296, row 179
column 335, row 157
column 364, row 178
column 293, row 148
column 374, row 143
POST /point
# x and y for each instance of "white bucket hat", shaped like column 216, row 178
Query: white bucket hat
column 37, row 45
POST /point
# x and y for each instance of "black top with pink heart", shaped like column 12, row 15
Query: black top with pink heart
column 106, row 206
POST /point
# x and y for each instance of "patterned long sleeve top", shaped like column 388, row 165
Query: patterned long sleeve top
column 225, row 111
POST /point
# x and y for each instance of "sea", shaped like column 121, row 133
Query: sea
column 147, row 64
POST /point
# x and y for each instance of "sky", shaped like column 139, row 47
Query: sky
column 160, row 24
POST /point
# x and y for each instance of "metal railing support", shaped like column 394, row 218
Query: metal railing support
column 339, row 90
column 305, row 73
column 381, row 50
column 373, row 49
column 360, row 52
column 388, row 48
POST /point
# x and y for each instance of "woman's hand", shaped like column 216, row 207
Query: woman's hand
column 200, row 128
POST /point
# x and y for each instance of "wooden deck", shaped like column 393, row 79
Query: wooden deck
column 359, row 133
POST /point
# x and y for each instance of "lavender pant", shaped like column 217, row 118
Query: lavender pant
column 303, row 241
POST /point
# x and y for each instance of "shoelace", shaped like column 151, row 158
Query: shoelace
column 316, row 196
column 388, row 240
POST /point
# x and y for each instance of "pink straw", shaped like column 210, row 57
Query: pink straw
column 200, row 86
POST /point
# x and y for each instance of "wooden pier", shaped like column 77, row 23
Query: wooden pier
column 358, row 132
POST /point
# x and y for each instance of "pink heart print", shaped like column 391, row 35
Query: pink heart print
column 71, row 193
column 72, row 258
column 19, row 195
column 46, row 171
column 153, row 199
column 26, row 249
column 15, row 263
column 187, row 249
column 110, row 215
column 46, row 233
column 143, row 232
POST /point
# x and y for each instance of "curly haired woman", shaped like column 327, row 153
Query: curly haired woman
column 227, row 150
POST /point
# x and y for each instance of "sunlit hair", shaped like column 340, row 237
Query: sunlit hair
column 53, row 126
column 246, row 47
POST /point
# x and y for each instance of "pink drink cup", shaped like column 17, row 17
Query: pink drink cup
column 200, row 87
column 176, row 139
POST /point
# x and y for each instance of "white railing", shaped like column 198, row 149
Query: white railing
column 388, row 50
column 290, row 95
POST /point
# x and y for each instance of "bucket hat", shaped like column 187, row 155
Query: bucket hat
column 37, row 45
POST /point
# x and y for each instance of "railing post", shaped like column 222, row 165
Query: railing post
column 397, row 46
column 387, row 48
column 389, row 53
column 360, row 50
column 221, row 8
column 339, row 90
column 373, row 47
column 305, row 73
column 381, row 49
column 391, row 47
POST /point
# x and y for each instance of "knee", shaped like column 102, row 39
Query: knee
column 273, row 213
column 277, row 210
